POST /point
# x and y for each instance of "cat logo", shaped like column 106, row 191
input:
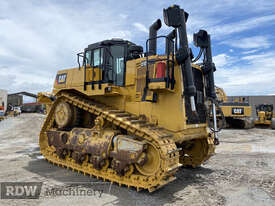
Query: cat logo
column 61, row 78
column 238, row 111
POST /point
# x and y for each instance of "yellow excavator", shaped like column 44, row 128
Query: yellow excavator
column 236, row 113
column 134, row 117
column 265, row 115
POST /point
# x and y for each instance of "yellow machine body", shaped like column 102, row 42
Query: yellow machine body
column 168, row 112
column 236, row 111
column 264, row 114
column 262, row 118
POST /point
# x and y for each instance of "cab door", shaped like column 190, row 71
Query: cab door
column 118, row 64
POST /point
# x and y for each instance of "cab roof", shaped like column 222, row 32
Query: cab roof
column 110, row 42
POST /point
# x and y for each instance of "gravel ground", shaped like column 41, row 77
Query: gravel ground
column 241, row 173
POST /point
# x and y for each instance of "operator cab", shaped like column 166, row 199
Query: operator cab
column 264, row 108
column 105, row 62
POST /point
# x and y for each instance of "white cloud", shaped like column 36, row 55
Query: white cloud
column 254, row 76
column 255, row 42
column 6, row 79
column 140, row 27
column 259, row 57
column 250, row 51
column 15, row 81
column 229, row 6
column 222, row 60
column 123, row 16
column 219, row 31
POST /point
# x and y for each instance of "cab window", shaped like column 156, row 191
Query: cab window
column 97, row 57
column 118, row 63
column 88, row 58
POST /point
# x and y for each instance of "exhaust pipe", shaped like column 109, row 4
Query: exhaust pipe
column 176, row 17
column 169, row 47
column 152, row 36
column 202, row 39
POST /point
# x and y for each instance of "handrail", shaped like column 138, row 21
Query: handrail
column 169, row 81
column 80, row 54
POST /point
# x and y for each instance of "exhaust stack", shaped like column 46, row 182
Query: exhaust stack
column 202, row 39
column 152, row 36
column 176, row 17
column 169, row 47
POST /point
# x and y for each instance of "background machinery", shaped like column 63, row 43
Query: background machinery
column 236, row 113
column 131, row 117
column 3, row 103
column 2, row 112
column 13, row 111
column 265, row 115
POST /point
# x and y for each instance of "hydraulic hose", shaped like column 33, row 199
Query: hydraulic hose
column 199, row 56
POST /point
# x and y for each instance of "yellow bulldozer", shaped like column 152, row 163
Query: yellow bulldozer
column 134, row 117
column 237, row 113
column 265, row 116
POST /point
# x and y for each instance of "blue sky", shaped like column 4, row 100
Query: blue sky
column 40, row 37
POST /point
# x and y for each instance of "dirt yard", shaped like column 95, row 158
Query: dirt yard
column 241, row 173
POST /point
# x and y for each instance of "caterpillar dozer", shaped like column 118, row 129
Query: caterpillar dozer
column 133, row 117
column 265, row 115
column 236, row 114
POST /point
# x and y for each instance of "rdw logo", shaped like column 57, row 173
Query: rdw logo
column 20, row 190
